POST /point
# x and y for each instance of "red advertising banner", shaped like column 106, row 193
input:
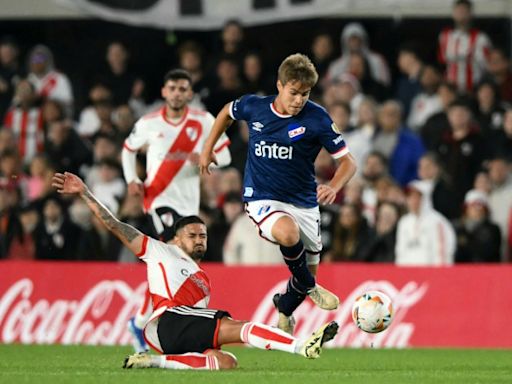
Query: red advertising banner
column 90, row 303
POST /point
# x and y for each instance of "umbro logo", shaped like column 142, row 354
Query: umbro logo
column 257, row 126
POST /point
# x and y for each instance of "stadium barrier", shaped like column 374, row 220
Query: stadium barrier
column 89, row 303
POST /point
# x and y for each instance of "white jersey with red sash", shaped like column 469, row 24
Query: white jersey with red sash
column 172, row 178
column 465, row 54
column 54, row 86
column 174, row 279
column 27, row 126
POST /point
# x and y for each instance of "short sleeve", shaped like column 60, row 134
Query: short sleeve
column 137, row 137
column 331, row 138
column 155, row 249
column 239, row 109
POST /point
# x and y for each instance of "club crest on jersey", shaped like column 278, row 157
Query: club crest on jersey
column 296, row 131
column 192, row 133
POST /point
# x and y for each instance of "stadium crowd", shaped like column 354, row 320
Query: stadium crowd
column 433, row 146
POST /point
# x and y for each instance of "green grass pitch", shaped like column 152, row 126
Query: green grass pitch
column 87, row 364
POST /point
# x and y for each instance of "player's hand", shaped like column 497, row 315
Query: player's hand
column 135, row 188
column 68, row 183
column 206, row 158
column 325, row 194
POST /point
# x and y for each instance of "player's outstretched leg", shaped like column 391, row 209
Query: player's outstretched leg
column 211, row 360
column 136, row 325
column 265, row 337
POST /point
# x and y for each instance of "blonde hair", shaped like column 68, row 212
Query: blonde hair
column 297, row 67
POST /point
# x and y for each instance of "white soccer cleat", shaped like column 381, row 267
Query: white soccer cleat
column 286, row 323
column 139, row 360
column 323, row 298
column 313, row 346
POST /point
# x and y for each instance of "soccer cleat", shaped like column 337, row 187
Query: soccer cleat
column 284, row 323
column 323, row 298
column 139, row 360
column 138, row 342
column 313, row 346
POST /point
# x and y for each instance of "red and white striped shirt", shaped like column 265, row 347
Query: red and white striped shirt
column 465, row 54
column 172, row 179
column 27, row 126
column 174, row 279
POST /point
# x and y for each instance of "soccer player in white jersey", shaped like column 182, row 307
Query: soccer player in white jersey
column 174, row 135
column 182, row 329
column 286, row 132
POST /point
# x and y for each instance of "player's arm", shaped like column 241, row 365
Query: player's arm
column 326, row 193
column 222, row 122
column 131, row 146
column 69, row 183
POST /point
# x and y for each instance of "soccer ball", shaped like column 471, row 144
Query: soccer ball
column 372, row 312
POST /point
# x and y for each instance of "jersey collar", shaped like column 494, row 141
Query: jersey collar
column 179, row 121
column 274, row 111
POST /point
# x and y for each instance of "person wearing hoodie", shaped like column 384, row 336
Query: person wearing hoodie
column 48, row 82
column 424, row 236
column 354, row 39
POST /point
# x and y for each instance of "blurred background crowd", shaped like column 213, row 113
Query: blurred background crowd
column 429, row 122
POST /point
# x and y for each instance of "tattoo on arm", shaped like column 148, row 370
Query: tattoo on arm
column 123, row 231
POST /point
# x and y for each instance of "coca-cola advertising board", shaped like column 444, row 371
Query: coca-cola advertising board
column 90, row 303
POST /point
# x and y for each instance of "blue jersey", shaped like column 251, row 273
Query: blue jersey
column 283, row 148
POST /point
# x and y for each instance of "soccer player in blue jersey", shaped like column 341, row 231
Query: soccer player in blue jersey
column 286, row 132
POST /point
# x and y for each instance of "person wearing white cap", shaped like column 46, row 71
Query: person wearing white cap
column 424, row 236
column 478, row 239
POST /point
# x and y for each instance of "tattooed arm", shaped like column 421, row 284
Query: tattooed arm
column 72, row 184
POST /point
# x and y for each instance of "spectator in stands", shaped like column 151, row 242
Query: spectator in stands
column 355, row 39
column 11, row 170
column 322, row 54
column 126, row 86
column 10, row 72
column 229, row 85
column 500, row 198
column 360, row 136
column 244, row 246
column 7, row 140
column 232, row 43
column 10, row 226
column 426, row 103
column 381, row 246
column 55, row 236
column 443, row 196
column 500, row 140
column 109, row 187
column 489, row 109
column 190, row 57
column 478, row 239
column 464, row 50
column 350, row 236
column 24, row 120
column 39, row 182
column 65, row 149
column 255, row 81
column 104, row 110
column 375, row 168
column 49, row 83
column 438, row 125
column 401, row 147
column 358, row 66
column 23, row 246
column 424, row 236
column 346, row 89
column 499, row 71
column 462, row 150
column 232, row 207
column 124, row 120
column 408, row 85
column 89, row 121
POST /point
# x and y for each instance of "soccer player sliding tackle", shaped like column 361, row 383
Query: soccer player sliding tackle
column 182, row 329
column 286, row 133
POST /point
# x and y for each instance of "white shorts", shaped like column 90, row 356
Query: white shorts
column 265, row 213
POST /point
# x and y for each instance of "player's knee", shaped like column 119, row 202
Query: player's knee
column 286, row 232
